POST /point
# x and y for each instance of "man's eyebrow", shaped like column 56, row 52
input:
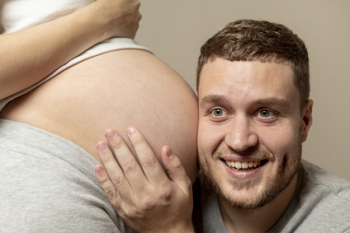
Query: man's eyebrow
column 208, row 99
column 274, row 101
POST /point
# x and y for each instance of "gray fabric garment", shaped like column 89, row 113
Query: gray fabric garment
column 321, row 203
column 48, row 185
column 212, row 219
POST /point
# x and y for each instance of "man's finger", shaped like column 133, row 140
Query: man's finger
column 176, row 171
column 114, row 171
column 149, row 162
column 132, row 171
column 107, row 186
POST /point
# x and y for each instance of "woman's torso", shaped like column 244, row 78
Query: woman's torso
column 115, row 89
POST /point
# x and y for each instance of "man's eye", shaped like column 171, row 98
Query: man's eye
column 266, row 113
column 217, row 112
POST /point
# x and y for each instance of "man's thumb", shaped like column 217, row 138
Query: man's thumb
column 175, row 169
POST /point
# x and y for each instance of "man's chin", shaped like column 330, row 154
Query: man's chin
column 251, row 198
column 254, row 194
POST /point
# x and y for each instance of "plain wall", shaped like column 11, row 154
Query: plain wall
column 175, row 30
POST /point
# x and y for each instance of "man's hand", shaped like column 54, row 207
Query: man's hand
column 121, row 16
column 143, row 196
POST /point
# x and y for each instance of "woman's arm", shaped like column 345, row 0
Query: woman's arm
column 143, row 196
column 30, row 55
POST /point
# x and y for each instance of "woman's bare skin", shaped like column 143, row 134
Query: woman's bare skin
column 115, row 90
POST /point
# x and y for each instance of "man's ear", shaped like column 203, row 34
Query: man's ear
column 306, row 119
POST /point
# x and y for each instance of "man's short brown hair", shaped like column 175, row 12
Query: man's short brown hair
column 252, row 40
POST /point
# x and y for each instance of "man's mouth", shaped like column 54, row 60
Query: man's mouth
column 246, row 165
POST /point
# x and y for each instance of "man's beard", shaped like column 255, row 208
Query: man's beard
column 273, row 187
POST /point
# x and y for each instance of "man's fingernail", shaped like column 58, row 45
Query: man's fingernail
column 131, row 131
column 168, row 152
column 101, row 147
column 99, row 169
column 110, row 134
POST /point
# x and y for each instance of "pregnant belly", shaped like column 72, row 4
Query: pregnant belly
column 116, row 89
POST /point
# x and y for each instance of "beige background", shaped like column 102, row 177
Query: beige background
column 175, row 30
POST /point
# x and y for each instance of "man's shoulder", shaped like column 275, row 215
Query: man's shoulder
column 319, row 180
column 320, row 204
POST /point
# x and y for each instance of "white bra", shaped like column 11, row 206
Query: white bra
column 20, row 14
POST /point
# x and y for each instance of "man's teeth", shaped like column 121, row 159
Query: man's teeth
column 243, row 165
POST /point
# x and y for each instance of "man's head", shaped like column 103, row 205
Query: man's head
column 254, row 112
column 250, row 40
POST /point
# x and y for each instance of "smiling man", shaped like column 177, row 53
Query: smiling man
column 254, row 152
column 254, row 115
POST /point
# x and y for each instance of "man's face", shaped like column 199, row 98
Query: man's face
column 250, row 129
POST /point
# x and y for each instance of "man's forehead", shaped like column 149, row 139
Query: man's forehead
column 224, row 81
column 224, row 72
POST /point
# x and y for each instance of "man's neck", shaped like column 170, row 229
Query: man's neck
column 239, row 220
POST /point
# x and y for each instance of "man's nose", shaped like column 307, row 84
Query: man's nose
column 240, row 135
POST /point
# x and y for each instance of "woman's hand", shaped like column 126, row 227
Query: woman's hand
column 49, row 45
column 143, row 196
column 121, row 16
